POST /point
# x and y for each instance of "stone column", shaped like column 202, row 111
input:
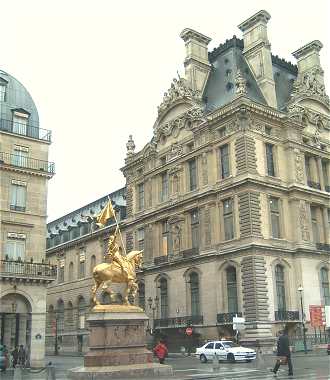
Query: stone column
column 255, row 303
column 320, row 171
column 38, row 339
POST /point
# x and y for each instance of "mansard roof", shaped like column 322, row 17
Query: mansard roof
column 226, row 60
column 83, row 214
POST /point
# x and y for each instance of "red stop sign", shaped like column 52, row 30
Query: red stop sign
column 189, row 331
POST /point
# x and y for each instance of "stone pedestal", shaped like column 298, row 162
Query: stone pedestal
column 118, row 346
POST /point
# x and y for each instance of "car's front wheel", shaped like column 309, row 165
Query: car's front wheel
column 202, row 358
column 231, row 358
column 248, row 360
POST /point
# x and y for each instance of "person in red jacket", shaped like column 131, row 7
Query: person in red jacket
column 161, row 351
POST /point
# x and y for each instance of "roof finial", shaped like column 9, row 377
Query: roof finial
column 130, row 146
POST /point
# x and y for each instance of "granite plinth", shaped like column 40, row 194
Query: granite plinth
column 133, row 371
column 117, row 336
column 117, row 346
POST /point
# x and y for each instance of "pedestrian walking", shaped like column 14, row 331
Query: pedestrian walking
column 161, row 351
column 21, row 355
column 14, row 355
column 283, row 353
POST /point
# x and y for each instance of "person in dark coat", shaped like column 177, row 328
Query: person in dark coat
column 14, row 354
column 283, row 352
column 161, row 351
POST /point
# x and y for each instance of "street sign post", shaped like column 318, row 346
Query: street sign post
column 238, row 323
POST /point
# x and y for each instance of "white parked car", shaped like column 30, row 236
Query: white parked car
column 225, row 350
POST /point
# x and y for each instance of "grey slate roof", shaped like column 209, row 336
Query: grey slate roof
column 83, row 214
column 226, row 60
column 17, row 97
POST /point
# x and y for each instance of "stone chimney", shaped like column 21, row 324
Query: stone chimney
column 308, row 56
column 258, row 55
column 197, row 66
column 310, row 79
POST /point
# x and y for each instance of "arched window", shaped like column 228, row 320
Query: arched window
column 194, row 293
column 232, row 290
column 163, row 298
column 81, row 312
column 51, row 318
column 142, row 296
column 325, row 286
column 280, row 288
column 60, row 316
column 71, row 271
column 93, row 263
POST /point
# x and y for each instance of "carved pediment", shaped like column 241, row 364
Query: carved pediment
column 178, row 92
column 186, row 120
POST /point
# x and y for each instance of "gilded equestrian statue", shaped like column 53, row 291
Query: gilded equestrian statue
column 121, row 269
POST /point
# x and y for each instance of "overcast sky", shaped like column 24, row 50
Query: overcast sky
column 97, row 71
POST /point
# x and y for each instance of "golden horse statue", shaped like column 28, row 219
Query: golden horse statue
column 121, row 270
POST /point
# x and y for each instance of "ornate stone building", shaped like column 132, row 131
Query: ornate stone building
column 230, row 198
column 24, row 173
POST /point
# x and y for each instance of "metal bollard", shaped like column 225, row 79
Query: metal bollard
column 18, row 373
column 50, row 372
column 215, row 363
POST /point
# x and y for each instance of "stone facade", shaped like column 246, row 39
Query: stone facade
column 24, row 173
column 230, row 198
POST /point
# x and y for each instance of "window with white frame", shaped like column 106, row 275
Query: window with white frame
column 270, row 160
column 315, row 226
column 192, row 174
column 280, row 287
column 164, row 189
column 20, row 156
column 224, row 161
column 18, row 195
column 82, row 263
column 15, row 246
column 194, row 293
column 232, row 290
column 165, row 237
column 163, row 298
column 140, row 196
column 228, row 220
column 325, row 291
column 140, row 238
column 20, row 121
column 274, row 207
column 194, row 220
column 2, row 92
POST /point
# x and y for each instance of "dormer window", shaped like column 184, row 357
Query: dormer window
column 20, row 122
column 3, row 88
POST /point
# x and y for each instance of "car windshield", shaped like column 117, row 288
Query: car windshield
column 229, row 344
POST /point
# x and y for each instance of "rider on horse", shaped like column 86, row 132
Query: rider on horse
column 115, row 255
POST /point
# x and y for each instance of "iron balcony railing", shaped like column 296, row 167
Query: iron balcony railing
column 27, row 162
column 323, row 247
column 185, row 321
column 227, row 318
column 286, row 315
column 27, row 269
column 25, row 130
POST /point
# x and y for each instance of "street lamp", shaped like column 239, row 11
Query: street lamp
column 153, row 305
column 300, row 290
